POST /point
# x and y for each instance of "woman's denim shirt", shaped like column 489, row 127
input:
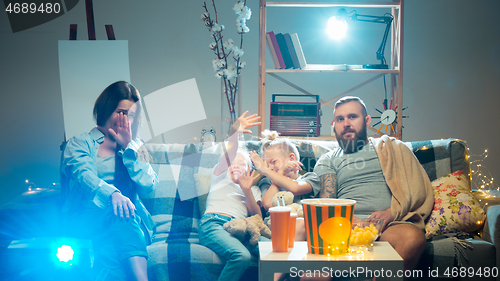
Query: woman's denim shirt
column 79, row 179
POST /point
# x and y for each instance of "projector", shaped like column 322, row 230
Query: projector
column 47, row 258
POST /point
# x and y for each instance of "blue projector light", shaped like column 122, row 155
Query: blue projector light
column 65, row 253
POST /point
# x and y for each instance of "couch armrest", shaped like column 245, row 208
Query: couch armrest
column 491, row 206
column 491, row 228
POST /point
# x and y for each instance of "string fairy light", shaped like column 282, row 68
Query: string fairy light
column 481, row 177
column 34, row 189
column 31, row 185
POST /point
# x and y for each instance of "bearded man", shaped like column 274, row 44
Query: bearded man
column 382, row 175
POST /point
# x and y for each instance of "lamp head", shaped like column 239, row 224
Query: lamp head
column 342, row 13
column 337, row 25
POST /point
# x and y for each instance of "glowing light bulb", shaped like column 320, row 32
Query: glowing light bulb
column 65, row 253
column 336, row 27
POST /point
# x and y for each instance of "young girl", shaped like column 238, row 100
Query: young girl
column 102, row 176
column 232, row 195
column 280, row 165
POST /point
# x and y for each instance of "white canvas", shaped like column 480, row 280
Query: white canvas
column 86, row 68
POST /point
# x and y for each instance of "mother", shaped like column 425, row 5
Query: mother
column 103, row 172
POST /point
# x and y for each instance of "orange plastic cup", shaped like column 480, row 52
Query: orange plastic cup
column 328, row 225
column 291, row 230
column 280, row 223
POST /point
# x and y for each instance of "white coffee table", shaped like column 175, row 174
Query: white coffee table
column 384, row 262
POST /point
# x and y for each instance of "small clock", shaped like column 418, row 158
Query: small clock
column 388, row 117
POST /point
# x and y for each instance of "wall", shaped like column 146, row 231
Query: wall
column 451, row 72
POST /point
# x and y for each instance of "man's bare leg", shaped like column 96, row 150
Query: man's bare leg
column 408, row 240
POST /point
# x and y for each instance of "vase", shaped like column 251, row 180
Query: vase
column 230, row 105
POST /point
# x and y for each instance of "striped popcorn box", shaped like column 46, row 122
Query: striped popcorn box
column 328, row 225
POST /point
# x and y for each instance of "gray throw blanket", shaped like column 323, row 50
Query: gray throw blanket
column 446, row 249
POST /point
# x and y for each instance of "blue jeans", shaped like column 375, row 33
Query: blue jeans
column 114, row 240
column 229, row 248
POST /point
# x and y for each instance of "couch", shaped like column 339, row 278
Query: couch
column 178, row 203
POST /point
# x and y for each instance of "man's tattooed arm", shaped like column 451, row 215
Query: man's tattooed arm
column 328, row 186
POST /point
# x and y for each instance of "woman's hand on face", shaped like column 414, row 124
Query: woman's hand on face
column 122, row 206
column 121, row 133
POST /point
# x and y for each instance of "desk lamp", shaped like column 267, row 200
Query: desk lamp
column 337, row 26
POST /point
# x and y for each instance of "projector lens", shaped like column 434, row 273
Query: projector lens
column 65, row 253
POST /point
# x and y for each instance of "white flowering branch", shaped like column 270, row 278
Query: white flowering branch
column 226, row 69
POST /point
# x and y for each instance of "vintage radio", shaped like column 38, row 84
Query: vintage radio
column 296, row 118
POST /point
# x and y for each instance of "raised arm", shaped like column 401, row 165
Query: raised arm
column 239, row 127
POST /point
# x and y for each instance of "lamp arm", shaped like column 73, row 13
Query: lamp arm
column 368, row 18
column 387, row 19
column 381, row 49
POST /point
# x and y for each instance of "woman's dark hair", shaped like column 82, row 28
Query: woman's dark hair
column 109, row 99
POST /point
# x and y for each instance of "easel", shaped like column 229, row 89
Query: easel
column 89, row 9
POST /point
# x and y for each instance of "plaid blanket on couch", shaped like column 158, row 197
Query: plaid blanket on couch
column 175, row 205
column 176, row 253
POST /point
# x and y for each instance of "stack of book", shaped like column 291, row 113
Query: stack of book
column 285, row 50
column 286, row 53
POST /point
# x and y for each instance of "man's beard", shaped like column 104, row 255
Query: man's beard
column 355, row 144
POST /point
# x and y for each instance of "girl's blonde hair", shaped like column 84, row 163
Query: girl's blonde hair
column 272, row 139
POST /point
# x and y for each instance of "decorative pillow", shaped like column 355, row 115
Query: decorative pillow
column 202, row 183
column 455, row 208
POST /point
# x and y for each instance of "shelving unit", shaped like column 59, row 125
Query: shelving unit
column 395, row 61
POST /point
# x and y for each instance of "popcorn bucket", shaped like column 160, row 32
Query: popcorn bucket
column 328, row 225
